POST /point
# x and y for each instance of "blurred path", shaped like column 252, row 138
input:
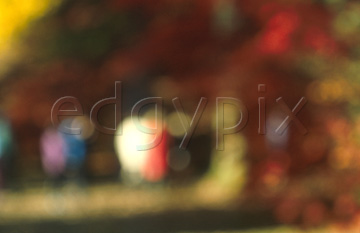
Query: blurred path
column 175, row 221
column 114, row 208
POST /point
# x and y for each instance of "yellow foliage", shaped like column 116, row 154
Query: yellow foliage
column 15, row 15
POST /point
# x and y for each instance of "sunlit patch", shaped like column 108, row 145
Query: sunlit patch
column 329, row 91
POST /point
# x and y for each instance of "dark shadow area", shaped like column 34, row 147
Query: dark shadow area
column 200, row 220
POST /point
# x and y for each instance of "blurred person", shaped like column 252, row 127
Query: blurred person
column 75, row 147
column 6, row 150
column 63, row 154
column 140, row 166
column 75, row 152
column 53, row 158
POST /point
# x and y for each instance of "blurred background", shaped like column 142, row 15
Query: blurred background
column 95, row 182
